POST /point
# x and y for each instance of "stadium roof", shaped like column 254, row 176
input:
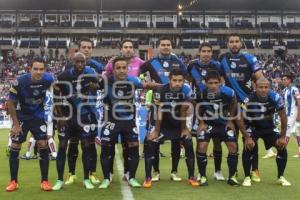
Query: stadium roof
column 149, row 4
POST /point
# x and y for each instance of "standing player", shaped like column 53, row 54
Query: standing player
column 85, row 46
column 75, row 89
column 292, row 105
column 216, row 109
column 197, row 71
column 119, row 103
column 170, row 99
column 30, row 93
column 237, row 69
column 158, row 68
column 260, row 109
column 134, row 62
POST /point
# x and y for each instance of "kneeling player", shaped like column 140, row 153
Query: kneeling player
column 30, row 93
column 215, row 109
column 170, row 99
column 260, row 109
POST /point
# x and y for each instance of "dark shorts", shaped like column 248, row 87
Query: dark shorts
column 73, row 129
column 37, row 127
column 113, row 128
column 268, row 136
column 216, row 132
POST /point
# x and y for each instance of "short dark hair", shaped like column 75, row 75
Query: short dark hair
column 205, row 44
column 84, row 39
column 289, row 76
column 37, row 59
column 117, row 59
column 175, row 72
column 212, row 74
column 126, row 40
column 165, row 37
column 233, row 35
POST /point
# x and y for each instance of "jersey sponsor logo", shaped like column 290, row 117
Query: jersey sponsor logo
column 36, row 86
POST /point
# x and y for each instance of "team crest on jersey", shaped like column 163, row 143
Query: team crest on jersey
column 165, row 64
column 43, row 128
column 86, row 128
column 135, row 130
column 203, row 72
column 216, row 106
column 93, row 127
column 120, row 93
column 230, row 133
column 106, row 132
column 233, row 65
column 35, row 93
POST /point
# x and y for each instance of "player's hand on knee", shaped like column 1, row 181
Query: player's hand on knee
column 201, row 127
column 281, row 142
column 61, row 124
column 152, row 135
column 186, row 133
column 230, row 126
column 249, row 143
column 15, row 130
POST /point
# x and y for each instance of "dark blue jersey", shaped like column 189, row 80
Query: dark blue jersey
column 97, row 66
column 260, row 111
column 171, row 103
column 31, row 96
column 159, row 68
column 80, row 88
column 120, row 96
column 215, row 107
column 198, row 71
column 237, row 70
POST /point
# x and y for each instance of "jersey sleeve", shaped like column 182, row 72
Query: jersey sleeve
column 13, row 91
column 296, row 93
column 279, row 103
column 188, row 93
column 255, row 66
column 137, row 83
column 108, row 69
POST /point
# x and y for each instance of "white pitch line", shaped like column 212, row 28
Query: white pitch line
column 125, row 189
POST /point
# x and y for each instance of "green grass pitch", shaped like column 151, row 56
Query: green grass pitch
column 29, row 178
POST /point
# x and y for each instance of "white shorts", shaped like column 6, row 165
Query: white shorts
column 292, row 125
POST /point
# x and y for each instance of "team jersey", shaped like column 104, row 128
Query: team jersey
column 237, row 70
column 133, row 66
column 260, row 111
column 291, row 94
column 197, row 70
column 215, row 107
column 31, row 96
column 97, row 66
column 120, row 95
column 79, row 92
column 159, row 67
column 170, row 102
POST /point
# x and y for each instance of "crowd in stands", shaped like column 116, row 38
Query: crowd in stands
column 273, row 67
